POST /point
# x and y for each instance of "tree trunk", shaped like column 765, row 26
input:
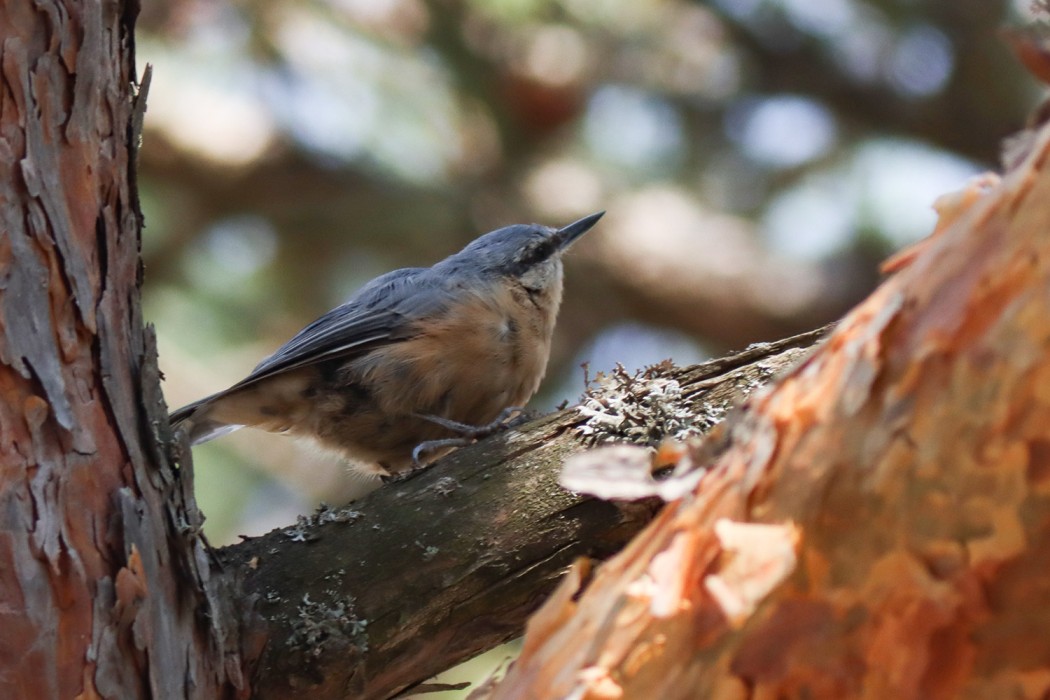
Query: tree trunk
column 878, row 526
column 102, row 588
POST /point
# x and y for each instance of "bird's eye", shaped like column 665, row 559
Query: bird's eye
column 538, row 251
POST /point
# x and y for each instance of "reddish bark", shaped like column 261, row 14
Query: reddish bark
column 880, row 522
column 100, row 589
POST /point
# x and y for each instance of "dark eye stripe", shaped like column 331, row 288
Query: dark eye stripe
column 540, row 252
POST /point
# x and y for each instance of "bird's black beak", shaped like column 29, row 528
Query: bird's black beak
column 566, row 236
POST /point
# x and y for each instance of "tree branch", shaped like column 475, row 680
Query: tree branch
column 367, row 600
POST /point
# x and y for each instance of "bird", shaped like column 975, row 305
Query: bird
column 416, row 362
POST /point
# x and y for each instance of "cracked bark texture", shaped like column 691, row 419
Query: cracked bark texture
column 104, row 590
column 878, row 525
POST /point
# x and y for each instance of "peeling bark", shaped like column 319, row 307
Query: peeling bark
column 103, row 587
column 879, row 524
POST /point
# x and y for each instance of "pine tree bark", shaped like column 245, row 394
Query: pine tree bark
column 104, row 590
column 878, row 525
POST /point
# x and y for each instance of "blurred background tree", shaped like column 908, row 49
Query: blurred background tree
column 757, row 159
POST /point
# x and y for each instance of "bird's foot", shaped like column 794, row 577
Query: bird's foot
column 432, row 445
column 468, row 433
column 476, row 432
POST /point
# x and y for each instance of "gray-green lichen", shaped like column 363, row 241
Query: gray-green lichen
column 643, row 408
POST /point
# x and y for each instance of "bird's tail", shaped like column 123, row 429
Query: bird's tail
column 197, row 421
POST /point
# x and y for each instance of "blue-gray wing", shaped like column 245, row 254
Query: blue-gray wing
column 382, row 312
column 377, row 314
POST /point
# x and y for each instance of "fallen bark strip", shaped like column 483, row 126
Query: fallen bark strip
column 367, row 600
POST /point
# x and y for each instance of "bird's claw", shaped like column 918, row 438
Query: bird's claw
column 468, row 433
column 476, row 432
column 429, row 445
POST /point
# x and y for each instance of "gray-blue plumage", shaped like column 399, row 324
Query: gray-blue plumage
column 498, row 277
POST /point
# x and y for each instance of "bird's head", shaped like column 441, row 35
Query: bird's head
column 528, row 253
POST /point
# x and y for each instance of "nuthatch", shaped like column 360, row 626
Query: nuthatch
column 414, row 359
